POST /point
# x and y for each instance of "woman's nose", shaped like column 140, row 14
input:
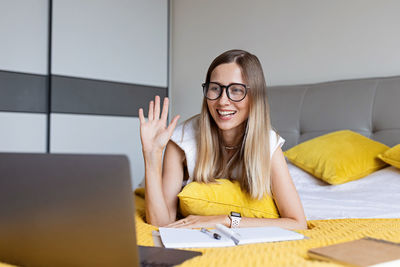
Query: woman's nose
column 224, row 100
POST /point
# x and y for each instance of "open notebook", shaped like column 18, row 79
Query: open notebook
column 194, row 238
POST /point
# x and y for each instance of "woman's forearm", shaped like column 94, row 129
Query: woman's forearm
column 287, row 223
column 156, row 207
column 154, row 135
column 197, row 221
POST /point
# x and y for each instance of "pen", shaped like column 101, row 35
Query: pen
column 228, row 232
column 211, row 234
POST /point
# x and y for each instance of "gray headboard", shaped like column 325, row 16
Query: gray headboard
column 367, row 106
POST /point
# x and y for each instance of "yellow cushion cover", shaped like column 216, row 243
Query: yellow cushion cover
column 222, row 197
column 391, row 156
column 338, row 157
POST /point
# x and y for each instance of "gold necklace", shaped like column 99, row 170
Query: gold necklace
column 231, row 147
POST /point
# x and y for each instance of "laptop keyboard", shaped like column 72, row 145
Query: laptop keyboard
column 153, row 264
column 164, row 257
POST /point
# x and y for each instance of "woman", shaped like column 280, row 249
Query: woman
column 232, row 137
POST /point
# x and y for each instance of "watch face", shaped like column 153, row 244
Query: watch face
column 235, row 214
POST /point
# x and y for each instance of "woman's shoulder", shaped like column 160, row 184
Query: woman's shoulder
column 186, row 131
column 273, row 134
column 275, row 140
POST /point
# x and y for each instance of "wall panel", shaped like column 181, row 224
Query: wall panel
column 23, row 75
column 122, row 41
column 106, row 58
column 99, row 135
column 22, row 132
column 23, row 31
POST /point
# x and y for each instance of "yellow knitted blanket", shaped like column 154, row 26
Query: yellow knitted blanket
column 290, row 253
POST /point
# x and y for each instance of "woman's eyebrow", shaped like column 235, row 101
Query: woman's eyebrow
column 228, row 83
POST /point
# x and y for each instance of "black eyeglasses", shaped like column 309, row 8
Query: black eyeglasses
column 235, row 91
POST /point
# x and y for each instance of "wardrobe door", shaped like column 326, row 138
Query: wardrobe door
column 23, row 75
column 109, row 58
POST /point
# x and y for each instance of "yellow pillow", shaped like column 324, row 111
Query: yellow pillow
column 140, row 192
column 221, row 198
column 391, row 156
column 338, row 157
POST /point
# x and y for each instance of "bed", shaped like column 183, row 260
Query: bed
column 374, row 196
column 366, row 207
column 366, row 106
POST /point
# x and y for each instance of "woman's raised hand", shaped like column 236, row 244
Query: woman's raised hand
column 154, row 132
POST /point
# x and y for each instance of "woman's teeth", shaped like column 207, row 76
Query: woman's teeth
column 225, row 113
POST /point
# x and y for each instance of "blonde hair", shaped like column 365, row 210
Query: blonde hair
column 253, row 159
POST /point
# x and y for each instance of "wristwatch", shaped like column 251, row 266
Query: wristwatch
column 235, row 218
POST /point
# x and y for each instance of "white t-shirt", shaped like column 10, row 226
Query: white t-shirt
column 185, row 137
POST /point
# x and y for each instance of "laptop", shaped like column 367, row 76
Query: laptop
column 72, row 210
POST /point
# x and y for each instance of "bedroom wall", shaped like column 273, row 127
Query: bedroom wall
column 23, row 71
column 107, row 59
column 297, row 41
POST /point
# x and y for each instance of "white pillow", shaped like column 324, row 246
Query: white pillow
column 302, row 178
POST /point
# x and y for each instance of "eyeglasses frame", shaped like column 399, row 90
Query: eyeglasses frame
column 226, row 90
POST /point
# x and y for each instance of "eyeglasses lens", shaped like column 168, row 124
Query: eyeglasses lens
column 236, row 92
column 213, row 91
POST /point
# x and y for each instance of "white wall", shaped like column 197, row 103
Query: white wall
column 297, row 41
column 94, row 134
column 122, row 41
column 23, row 48
column 24, row 30
column 23, row 132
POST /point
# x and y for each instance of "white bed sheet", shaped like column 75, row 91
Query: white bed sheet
column 374, row 196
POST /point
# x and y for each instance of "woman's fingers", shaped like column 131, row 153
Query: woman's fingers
column 177, row 223
column 188, row 222
column 151, row 111
column 154, row 114
column 164, row 114
column 141, row 116
column 157, row 107
column 172, row 125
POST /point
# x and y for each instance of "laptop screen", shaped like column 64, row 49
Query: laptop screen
column 66, row 210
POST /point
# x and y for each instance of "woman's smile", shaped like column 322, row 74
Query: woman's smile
column 226, row 114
